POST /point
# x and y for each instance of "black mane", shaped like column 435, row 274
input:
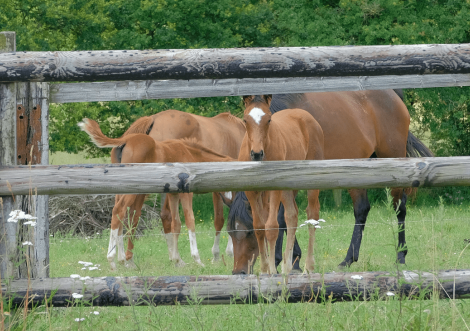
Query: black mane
column 286, row 101
column 240, row 210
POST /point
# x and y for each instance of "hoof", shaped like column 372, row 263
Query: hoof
column 229, row 253
column 200, row 263
column 130, row 264
column 180, row 264
column 113, row 266
column 216, row 258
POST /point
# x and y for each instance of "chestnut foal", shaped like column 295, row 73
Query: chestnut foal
column 141, row 148
column 292, row 134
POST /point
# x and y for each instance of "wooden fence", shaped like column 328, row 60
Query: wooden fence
column 25, row 95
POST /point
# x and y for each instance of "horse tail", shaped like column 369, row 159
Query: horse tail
column 142, row 125
column 97, row 136
column 415, row 148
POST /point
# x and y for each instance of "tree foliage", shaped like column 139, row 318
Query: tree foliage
column 141, row 24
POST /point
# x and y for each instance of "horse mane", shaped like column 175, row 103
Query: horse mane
column 239, row 210
column 193, row 142
column 286, row 101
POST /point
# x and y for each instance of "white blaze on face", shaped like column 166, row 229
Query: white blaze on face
column 256, row 114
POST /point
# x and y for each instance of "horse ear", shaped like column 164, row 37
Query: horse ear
column 268, row 98
column 247, row 99
column 248, row 206
column 227, row 200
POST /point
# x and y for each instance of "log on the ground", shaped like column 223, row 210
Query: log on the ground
column 124, row 291
column 235, row 63
column 235, row 176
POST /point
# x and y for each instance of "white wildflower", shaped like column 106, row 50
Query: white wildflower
column 77, row 296
column 32, row 223
column 313, row 223
column 390, row 294
column 85, row 278
column 96, row 312
column 85, row 264
column 16, row 215
column 357, row 277
column 29, row 243
column 80, row 319
column 92, row 268
column 74, row 276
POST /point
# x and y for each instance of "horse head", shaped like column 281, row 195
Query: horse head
column 257, row 118
column 240, row 228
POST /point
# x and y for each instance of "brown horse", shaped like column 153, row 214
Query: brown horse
column 141, row 148
column 289, row 135
column 222, row 133
column 355, row 125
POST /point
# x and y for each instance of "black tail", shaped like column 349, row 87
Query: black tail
column 415, row 148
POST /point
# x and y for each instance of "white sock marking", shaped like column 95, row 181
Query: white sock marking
column 112, row 249
column 169, row 243
column 120, row 244
column 256, row 114
column 193, row 244
column 215, row 248
column 229, row 249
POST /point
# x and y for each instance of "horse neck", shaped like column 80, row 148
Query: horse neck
column 274, row 140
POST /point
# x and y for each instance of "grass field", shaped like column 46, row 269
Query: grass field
column 435, row 236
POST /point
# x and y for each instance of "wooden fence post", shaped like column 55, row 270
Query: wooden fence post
column 24, row 112
column 7, row 156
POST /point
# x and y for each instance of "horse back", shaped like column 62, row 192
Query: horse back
column 358, row 123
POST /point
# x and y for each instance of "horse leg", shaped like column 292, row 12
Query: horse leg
column 361, row 210
column 187, row 203
column 256, row 204
column 218, row 224
column 116, row 240
column 272, row 228
column 116, row 228
column 175, row 229
column 134, row 214
column 399, row 204
column 165, row 215
column 313, row 212
column 291, row 215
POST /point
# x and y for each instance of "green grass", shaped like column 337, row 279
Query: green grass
column 435, row 237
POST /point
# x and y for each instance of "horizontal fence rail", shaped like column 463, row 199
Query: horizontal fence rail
column 166, row 89
column 235, row 63
column 169, row 290
column 234, row 176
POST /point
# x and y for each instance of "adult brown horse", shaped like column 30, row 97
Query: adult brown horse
column 355, row 125
column 289, row 135
column 141, row 148
column 222, row 133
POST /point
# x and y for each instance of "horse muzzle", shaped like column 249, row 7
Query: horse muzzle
column 257, row 156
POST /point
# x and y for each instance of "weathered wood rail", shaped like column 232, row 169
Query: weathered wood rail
column 235, row 176
column 235, row 63
column 358, row 286
column 166, row 89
